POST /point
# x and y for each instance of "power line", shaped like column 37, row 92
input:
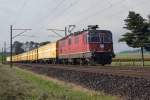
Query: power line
column 20, row 11
column 54, row 31
column 64, row 11
column 118, row 13
column 71, row 5
column 89, row 8
column 100, row 11
column 53, row 10
column 57, row 15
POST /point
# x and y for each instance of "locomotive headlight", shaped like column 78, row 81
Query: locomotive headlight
column 101, row 45
column 109, row 50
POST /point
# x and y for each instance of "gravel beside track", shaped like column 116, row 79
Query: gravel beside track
column 130, row 83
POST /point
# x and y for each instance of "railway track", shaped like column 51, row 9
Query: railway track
column 129, row 83
column 137, row 72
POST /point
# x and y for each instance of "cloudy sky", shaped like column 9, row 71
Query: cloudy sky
column 40, row 15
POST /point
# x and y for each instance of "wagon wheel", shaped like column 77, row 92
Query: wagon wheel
column 103, row 64
column 92, row 62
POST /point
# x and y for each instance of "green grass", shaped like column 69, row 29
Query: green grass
column 0, row 58
column 24, row 85
column 13, row 87
column 132, row 55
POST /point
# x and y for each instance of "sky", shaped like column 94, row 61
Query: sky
column 41, row 15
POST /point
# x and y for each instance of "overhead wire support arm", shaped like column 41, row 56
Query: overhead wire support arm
column 68, row 29
column 54, row 31
column 19, row 34
column 57, row 33
column 21, row 29
column 24, row 30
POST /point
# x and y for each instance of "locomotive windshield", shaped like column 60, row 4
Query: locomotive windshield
column 93, row 38
column 100, row 37
column 107, row 38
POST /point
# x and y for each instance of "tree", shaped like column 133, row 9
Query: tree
column 147, row 47
column 139, row 34
column 44, row 43
column 17, row 47
column 30, row 45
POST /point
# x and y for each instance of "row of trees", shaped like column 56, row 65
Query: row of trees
column 138, row 35
column 19, row 47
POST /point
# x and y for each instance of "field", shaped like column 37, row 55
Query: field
column 0, row 58
column 132, row 55
column 131, row 59
column 18, row 84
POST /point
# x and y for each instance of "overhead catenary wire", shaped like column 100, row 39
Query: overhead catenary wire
column 55, row 17
column 52, row 11
column 102, row 11
column 105, row 10
column 125, row 6
column 19, row 14
column 68, row 10
column 58, row 15
column 72, row 4
column 23, row 6
column 96, row 13
column 83, row 12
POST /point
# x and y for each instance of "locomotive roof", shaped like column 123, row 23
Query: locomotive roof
column 80, row 32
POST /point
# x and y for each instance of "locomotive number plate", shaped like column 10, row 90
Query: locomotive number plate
column 101, row 45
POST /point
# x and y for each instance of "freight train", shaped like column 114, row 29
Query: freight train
column 91, row 46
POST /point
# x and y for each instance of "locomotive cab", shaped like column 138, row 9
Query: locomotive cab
column 100, row 41
column 100, row 45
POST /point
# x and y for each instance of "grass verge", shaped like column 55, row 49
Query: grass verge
column 13, row 87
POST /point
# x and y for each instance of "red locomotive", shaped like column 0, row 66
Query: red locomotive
column 86, row 47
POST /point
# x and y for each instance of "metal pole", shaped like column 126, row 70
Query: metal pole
column 65, row 31
column 4, row 52
column 11, row 63
column 11, row 41
column 37, row 54
column 142, row 52
column 2, row 55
